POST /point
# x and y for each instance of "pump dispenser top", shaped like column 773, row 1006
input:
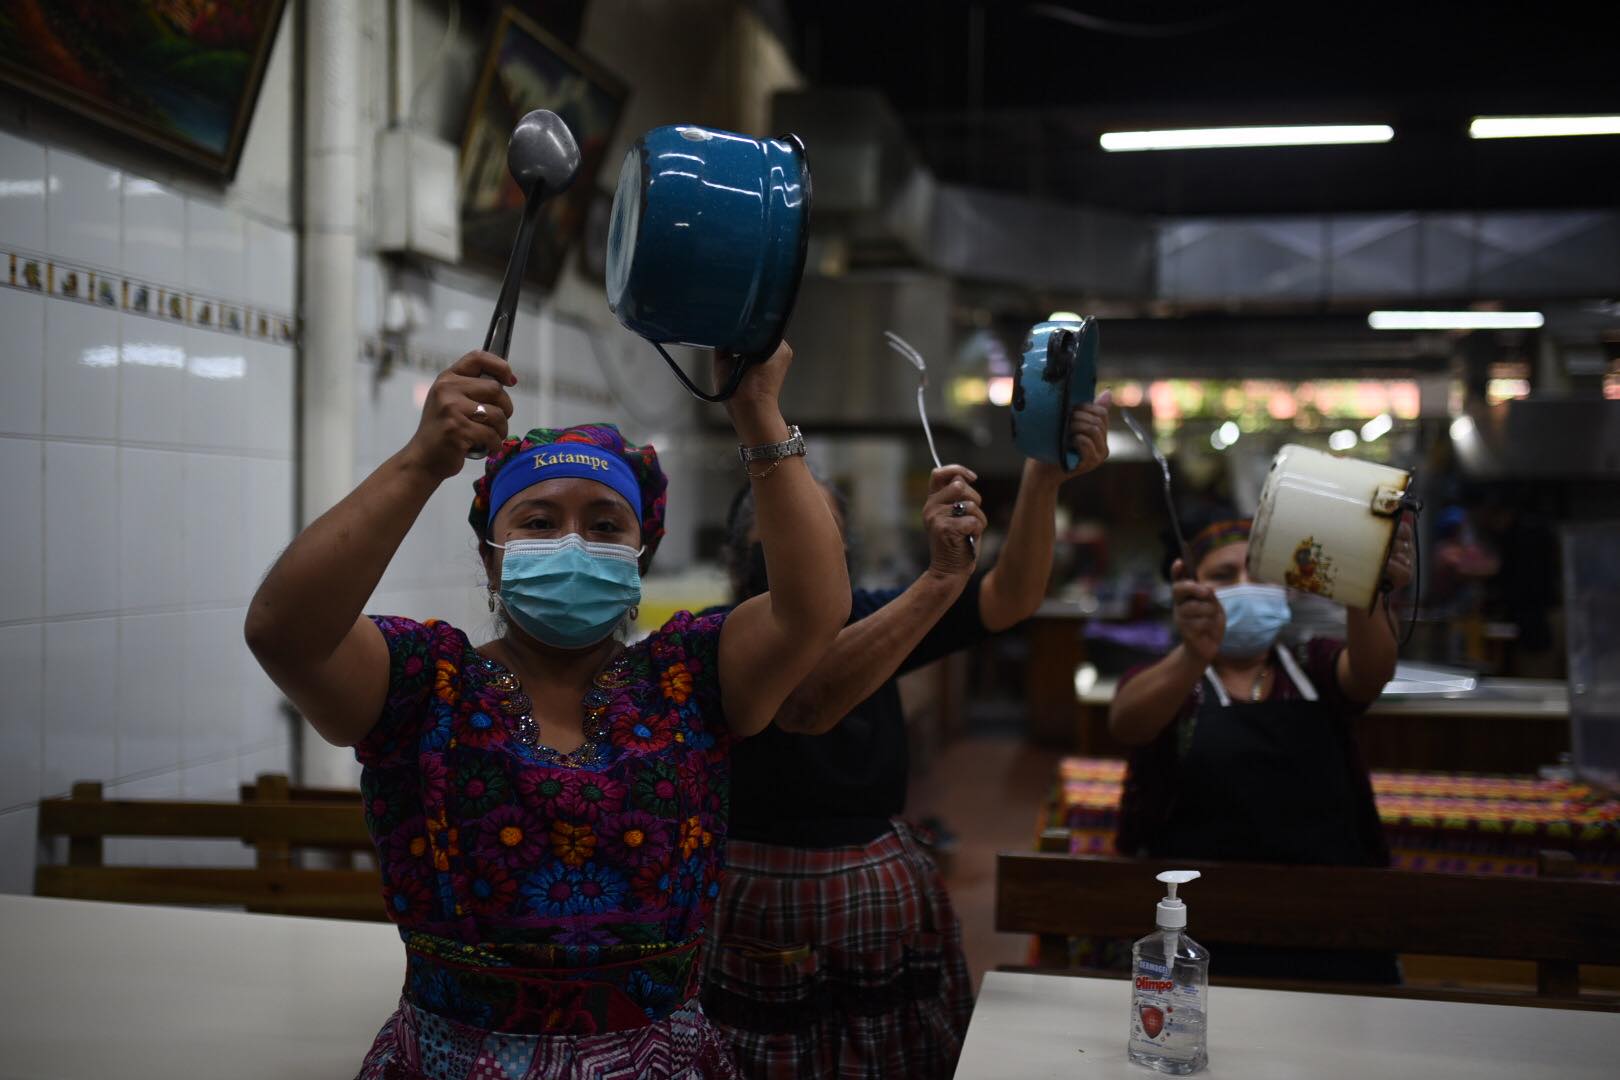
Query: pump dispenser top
column 1172, row 912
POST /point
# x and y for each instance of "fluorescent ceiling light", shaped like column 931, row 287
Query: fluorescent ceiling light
column 1540, row 127
column 1203, row 138
column 1455, row 320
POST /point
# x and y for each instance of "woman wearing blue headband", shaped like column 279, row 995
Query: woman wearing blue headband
column 549, row 808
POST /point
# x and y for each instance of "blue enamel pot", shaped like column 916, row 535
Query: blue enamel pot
column 1058, row 372
column 707, row 240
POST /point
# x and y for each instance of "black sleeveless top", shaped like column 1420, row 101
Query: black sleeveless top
column 841, row 788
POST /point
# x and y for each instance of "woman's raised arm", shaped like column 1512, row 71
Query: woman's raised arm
column 772, row 641
column 305, row 624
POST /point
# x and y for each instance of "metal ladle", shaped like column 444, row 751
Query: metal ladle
column 901, row 346
column 1169, row 500
column 544, row 159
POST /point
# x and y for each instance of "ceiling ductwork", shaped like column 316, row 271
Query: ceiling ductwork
column 987, row 236
column 877, row 200
column 1389, row 258
column 882, row 207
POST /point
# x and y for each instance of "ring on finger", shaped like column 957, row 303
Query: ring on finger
column 958, row 509
column 480, row 412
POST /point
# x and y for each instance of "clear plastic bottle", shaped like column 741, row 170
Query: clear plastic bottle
column 1170, row 990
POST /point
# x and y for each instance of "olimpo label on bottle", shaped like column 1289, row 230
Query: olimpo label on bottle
column 1167, row 1020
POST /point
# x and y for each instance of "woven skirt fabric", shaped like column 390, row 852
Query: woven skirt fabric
column 838, row 963
column 418, row 1045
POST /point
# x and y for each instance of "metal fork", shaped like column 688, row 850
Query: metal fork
column 901, row 346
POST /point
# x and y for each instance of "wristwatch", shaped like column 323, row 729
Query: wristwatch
column 792, row 446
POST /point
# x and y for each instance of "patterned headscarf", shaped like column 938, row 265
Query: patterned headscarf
column 1214, row 536
column 642, row 460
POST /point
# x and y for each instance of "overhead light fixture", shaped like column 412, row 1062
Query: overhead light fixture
column 1342, row 440
column 1209, row 138
column 1377, row 427
column 1456, row 320
column 1462, row 428
column 1063, row 316
column 1000, row 389
column 1541, row 127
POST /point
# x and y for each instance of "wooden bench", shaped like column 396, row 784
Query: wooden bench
column 1554, row 921
column 275, row 819
column 275, row 787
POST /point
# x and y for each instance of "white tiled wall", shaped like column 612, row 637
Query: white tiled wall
column 146, row 468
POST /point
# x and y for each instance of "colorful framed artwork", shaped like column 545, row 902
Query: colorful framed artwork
column 526, row 68
column 182, row 75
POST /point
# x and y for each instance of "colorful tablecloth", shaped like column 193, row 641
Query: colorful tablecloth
column 1448, row 822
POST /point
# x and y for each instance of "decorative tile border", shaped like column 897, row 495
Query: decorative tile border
column 32, row 272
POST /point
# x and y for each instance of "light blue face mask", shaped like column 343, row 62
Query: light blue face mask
column 1255, row 615
column 568, row 592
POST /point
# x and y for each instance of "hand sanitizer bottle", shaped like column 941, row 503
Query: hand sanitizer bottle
column 1170, row 990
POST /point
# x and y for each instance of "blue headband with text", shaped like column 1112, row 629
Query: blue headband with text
column 569, row 459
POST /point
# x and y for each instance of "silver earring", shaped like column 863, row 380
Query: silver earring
column 490, row 595
column 633, row 614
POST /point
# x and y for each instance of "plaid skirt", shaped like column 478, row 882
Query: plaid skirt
column 837, row 963
column 418, row 1045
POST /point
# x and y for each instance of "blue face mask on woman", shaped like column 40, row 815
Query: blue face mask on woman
column 568, row 592
column 1255, row 615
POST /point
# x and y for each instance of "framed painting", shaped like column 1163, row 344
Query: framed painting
column 181, row 75
column 526, row 68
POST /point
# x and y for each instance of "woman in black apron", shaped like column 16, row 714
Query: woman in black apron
column 1245, row 750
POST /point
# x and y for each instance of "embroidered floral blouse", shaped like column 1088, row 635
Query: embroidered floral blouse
column 482, row 840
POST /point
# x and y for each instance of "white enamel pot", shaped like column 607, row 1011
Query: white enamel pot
column 1326, row 523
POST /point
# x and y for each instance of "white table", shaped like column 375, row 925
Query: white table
column 1027, row 1026
column 91, row 990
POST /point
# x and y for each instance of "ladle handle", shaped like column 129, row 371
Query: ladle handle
column 498, row 340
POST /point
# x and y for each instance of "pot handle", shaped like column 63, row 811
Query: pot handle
column 737, row 371
column 1389, row 501
column 1061, row 350
column 1405, row 502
